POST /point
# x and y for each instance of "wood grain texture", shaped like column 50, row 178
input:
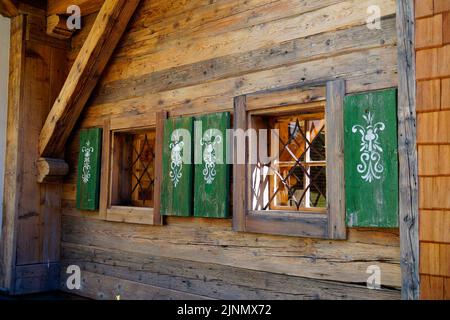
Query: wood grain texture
column 102, row 287
column 13, row 157
column 8, row 8
column 213, row 241
column 95, row 53
column 161, row 117
column 57, row 27
column 335, row 159
column 239, row 167
column 86, row 6
column 210, row 280
column 408, row 174
column 37, row 278
column 186, row 81
column 32, row 227
column 51, row 170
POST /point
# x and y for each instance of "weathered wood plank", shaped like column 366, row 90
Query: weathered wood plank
column 294, row 51
column 339, row 16
column 214, row 242
column 101, row 287
column 239, row 167
column 211, row 280
column 335, row 156
column 37, row 278
column 99, row 46
column 408, row 174
column 161, row 117
column 13, row 157
column 210, row 19
column 356, row 67
column 86, row 6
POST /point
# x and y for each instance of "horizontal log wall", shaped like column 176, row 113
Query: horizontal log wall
column 192, row 57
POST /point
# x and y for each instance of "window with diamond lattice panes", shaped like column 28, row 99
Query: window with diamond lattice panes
column 142, row 170
column 296, row 179
column 133, row 169
column 292, row 183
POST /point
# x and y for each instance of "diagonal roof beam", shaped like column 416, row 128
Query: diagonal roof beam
column 108, row 28
column 8, row 8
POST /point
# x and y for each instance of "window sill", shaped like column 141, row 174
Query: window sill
column 310, row 225
column 132, row 215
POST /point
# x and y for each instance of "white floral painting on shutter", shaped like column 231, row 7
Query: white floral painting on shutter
column 370, row 167
column 87, row 151
column 176, row 156
column 210, row 142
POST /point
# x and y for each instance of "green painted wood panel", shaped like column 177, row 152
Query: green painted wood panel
column 178, row 174
column 89, row 163
column 212, row 173
column 371, row 159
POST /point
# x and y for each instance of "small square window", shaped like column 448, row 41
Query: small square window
column 298, row 179
column 131, row 170
column 297, row 190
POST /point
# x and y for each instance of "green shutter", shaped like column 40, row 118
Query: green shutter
column 89, row 162
column 212, row 176
column 371, row 159
column 177, row 179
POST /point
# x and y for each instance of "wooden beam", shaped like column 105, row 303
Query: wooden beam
column 408, row 179
column 51, row 170
column 13, row 161
column 57, row 27
column 8, row 8
column 108, row 28
column 60, row 6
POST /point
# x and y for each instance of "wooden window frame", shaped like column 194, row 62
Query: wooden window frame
column 128, row 214
column 328, row 225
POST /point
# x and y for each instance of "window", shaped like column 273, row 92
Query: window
column 133, row 172
column 299, row 189
column 130, row 183
column 298, row 176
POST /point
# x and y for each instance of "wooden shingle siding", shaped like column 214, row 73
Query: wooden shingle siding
column 433, row 135
column 192, row 58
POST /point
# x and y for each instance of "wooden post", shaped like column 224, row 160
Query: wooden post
column 335, row 155
column 408, row 174
column 239, row 174
column 161, row 116
column 13, row 177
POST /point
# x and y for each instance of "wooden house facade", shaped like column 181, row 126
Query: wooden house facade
column 96, row 116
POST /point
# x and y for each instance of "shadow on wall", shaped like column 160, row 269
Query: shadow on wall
column 4, row 74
